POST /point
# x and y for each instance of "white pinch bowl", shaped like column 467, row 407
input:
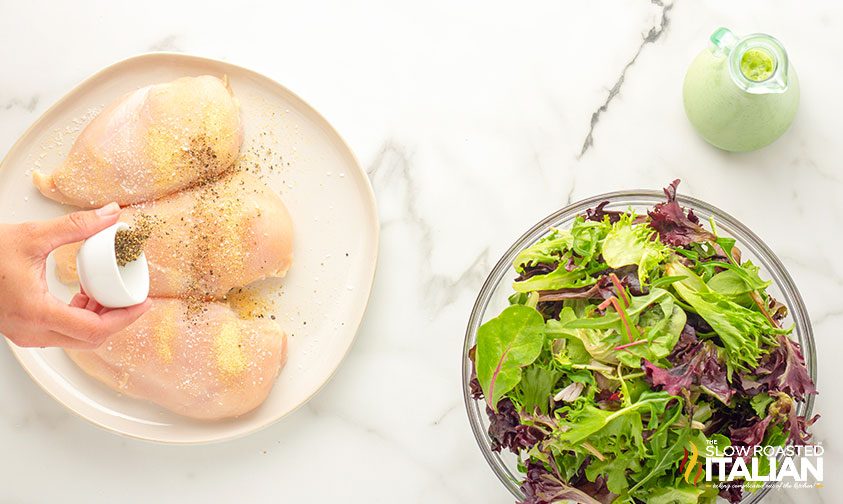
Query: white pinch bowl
column 108, row 283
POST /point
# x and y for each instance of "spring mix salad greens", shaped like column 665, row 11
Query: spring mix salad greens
column 628, row 338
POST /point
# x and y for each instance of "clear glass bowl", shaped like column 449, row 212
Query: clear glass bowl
column 493, row 299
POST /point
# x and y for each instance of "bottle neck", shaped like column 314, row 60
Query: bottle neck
column 757, row 63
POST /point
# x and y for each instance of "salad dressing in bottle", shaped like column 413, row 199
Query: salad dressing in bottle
column 741, row 93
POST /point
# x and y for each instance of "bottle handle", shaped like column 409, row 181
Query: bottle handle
column 724, row 40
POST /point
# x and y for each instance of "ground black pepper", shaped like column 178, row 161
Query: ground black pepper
column 128, row 243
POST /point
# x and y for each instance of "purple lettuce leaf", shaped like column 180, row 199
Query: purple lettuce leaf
column 598, row 213
column 542, row 486
column 474, row 386
column 675, row 227
column 506, row 430
column 698, row 324
column 777, row 310
column 783, row 411
column 793, row 379
column 687, row 344
column 551, row 301
column 473, row 382
column 695, row 364
column 596, row 291
column 672, row 380
column 797, row 428
column 782, row 370
column 536, row 269
column 750, row 435
column 607, row 399
column 628, row 276
column 732, row 493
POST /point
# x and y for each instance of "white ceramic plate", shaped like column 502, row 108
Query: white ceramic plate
column 322, row 299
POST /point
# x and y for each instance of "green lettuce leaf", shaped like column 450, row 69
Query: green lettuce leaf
column 615, row 439
column 587, row 238
column 638, row 244
column 547, row 250
column 506, row 344
column 560, row 278
column 678, row 495
column 736, row 282
column 581, row 424
column 657, row 318
column 534, row 391
column 759, row 403
column 746, row 334
column 615, row 469
column 666, row 447
column 567, row 348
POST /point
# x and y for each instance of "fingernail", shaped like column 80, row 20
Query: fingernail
column 108, row 210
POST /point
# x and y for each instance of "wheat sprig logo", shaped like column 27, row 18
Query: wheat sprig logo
column 689, row 463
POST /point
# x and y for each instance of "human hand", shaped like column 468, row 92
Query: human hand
column 32, row 317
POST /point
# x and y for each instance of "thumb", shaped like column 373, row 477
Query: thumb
column 76, row 226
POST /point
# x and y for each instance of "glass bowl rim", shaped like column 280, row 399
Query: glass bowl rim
column 802, row 322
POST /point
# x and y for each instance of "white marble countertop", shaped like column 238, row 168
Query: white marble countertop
column 474, row 120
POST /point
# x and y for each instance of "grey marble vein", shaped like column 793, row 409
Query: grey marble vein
column 50, row 418
column 652, row 36
column 391, row 164
column 167, row 43
column 444, row 415
column 819, row 265
column 28, row 105
column 823, row 317
column 570, row 197
column 804, row 158
column 444, row 290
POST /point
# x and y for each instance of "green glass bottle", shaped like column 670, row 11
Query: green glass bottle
column 741, row 93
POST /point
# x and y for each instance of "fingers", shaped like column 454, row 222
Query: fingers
column 83, row 324
column 60, row 340
column 41, row 339
column 93, row 306
column 123, row 317
column 78, row 323
column 80, row 300
column 75, row 226
column 90, row 326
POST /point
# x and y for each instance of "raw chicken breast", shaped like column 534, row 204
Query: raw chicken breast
column 150, row 143
column 209, row 365
column 208, row 240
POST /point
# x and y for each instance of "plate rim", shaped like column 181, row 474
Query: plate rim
column 369, row 200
